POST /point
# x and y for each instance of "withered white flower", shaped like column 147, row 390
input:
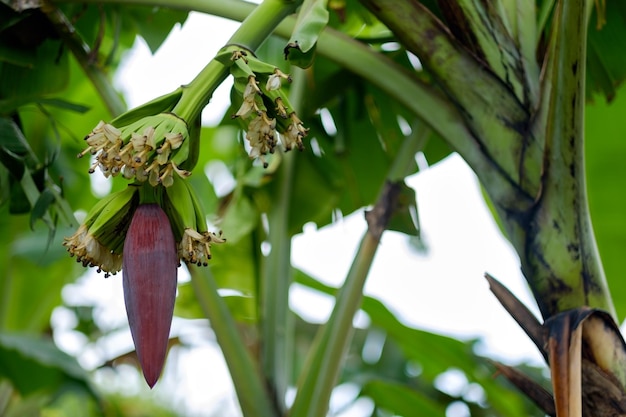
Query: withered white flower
column 195, row 247
column 90, row 252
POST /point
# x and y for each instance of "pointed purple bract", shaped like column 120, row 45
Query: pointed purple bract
column 150, row 263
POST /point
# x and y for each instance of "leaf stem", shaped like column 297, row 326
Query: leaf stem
column 252, row 396
column 254, row 29
column 324, row 361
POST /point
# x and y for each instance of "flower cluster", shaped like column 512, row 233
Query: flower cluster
column 98, row 242
column 195, row 247
column 266, row 113
column 143, row 151
column 90, row 252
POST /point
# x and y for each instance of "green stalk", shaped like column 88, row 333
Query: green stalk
column 81, row 52
column 277, row 322
column 230, row 9
column 250, row 391
column 254, row 29
column 277, row 326
column 327, row 354
column 324, row 361
column 562, row 263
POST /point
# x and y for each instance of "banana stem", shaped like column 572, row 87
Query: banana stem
column 254, row 29
column 562, row 263
column 277, row 324
column 324, row 361
column 250, row 391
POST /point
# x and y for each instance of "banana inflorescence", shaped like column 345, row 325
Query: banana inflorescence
column 265, row 109
column 149, row 278
column 150, row 149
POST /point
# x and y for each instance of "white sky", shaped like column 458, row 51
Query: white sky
column 444, row 291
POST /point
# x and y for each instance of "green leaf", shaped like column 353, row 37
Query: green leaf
column 316, row 193
column 16, row 56
column 604, row 154
column 432, row 353
column 40, row 209
column 18, row 201
column 312, row 19
column 351, row 18
column 234, row 267
column 12, row 139
column 64, row 104
column 606, row 62
column 36, row 364
column 35, row 273
column 240, row 216
column 4, row 185
column 15, row 405
column 401, row 400
column 49, row 75
column 154, row 24
column 243, row 308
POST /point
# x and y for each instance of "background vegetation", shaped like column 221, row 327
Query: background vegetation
column 56, row 62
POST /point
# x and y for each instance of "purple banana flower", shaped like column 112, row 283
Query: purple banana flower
column 150, row 263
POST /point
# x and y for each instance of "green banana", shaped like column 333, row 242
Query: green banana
column 112, row 222
column 179, row 208
column 189, row 224
column 201, row 225
column 99, row 241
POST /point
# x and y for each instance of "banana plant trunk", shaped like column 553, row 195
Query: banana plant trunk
column 525, row 112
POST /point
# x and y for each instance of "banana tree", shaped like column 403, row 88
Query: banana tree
column 501, row 83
